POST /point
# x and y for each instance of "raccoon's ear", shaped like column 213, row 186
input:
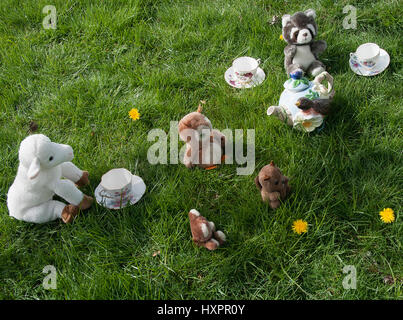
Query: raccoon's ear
column 311, row 13
column 286, row 18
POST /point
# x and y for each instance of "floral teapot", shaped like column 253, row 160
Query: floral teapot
column 304, row 104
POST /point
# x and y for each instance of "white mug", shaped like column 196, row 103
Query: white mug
column 245, row 68
column 366, row 55
column 116, row 187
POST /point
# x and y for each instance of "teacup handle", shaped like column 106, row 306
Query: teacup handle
column 353, row 56
column 258, row 61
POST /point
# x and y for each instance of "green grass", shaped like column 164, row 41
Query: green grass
column 79, row 82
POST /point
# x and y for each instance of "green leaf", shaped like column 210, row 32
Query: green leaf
column 312, row 95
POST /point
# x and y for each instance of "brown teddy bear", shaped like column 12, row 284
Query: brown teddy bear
column 273, row 185
column 204, row 232
column 204, row 146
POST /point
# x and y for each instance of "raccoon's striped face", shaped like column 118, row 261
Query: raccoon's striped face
column 299, row 28
column 302, row 36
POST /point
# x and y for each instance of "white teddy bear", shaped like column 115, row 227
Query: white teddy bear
column 42, row 165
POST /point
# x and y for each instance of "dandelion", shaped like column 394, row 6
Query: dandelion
column 281, row 37
column 300, row 226
column 387, row 215
column 134, row 114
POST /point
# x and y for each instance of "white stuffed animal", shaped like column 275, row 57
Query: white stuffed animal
column 42, row 165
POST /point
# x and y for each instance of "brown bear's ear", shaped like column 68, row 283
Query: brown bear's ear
column 258, row 185
column 272, row 163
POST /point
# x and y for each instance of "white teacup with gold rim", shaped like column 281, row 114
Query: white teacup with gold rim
column 245, row 68
column 119, row 188
column 366, row 55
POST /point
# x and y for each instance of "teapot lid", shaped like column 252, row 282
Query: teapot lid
column 296, row 85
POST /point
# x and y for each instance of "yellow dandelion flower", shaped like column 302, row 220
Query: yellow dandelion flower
column 134, row 114
column 281, row 37
column 300, row 226
column 387, row 215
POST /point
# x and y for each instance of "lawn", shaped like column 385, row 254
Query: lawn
column 78, row 83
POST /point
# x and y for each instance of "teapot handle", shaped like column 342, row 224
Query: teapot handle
column 322, row 76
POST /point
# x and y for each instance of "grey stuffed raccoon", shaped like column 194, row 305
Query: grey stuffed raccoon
column 301, row 54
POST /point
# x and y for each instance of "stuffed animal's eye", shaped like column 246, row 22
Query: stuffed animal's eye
column 276, row 182
column 50, row 158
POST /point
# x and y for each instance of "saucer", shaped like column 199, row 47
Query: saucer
column 233, row 81
column 381, row 65
column 137, row 190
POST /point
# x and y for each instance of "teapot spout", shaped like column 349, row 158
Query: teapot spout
column 280, row 113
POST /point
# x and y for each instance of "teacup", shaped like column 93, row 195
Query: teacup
column 116, row 188
column 245, row 68
column 366, row 55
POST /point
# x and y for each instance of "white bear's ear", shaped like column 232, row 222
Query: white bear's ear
column 34, row 168
column 311, row 13
column 286, row 18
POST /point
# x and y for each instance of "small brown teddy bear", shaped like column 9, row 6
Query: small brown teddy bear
column 273, row 185
column 204, row 146
column 204, row 232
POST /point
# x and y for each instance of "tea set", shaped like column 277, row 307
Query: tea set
column 368, row 60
